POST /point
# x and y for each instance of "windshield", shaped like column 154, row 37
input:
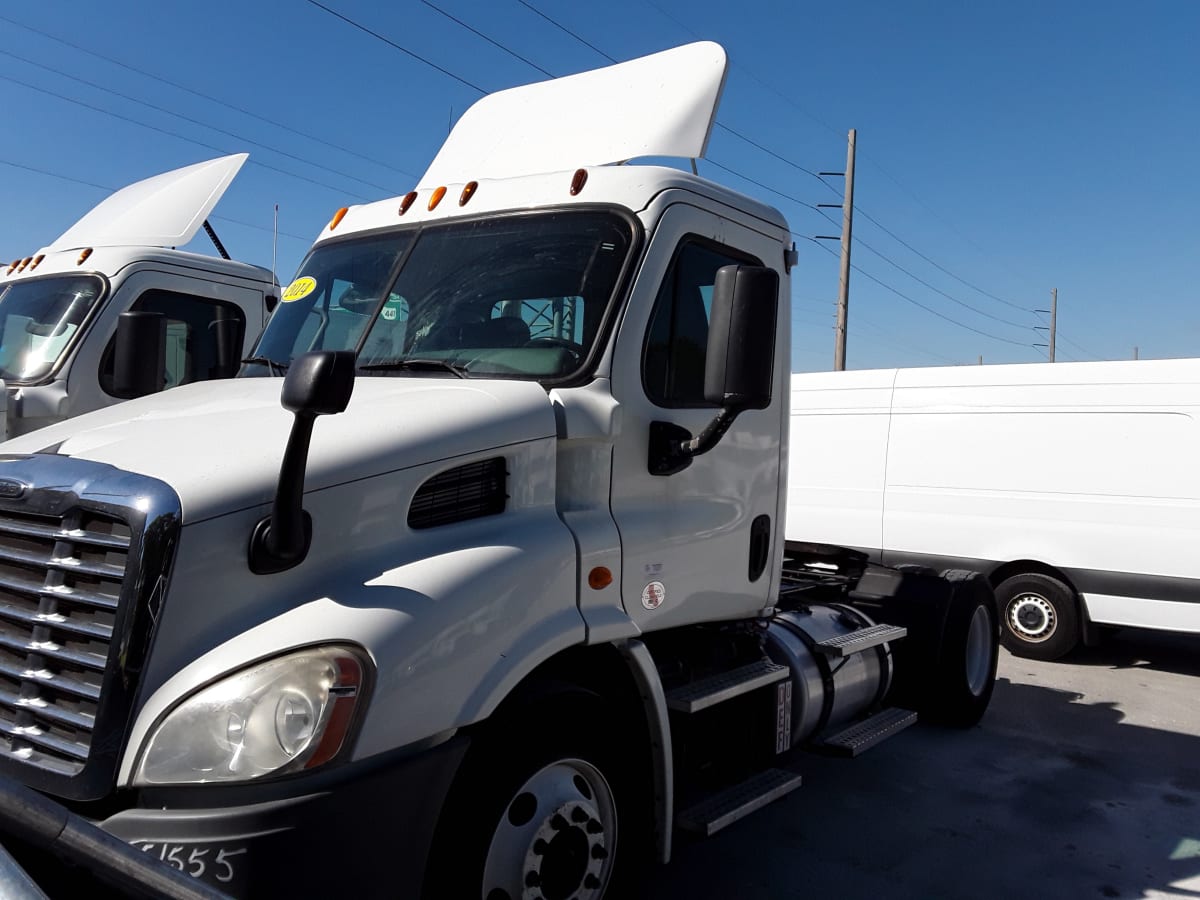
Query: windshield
column 38, row 319
column 511, row 297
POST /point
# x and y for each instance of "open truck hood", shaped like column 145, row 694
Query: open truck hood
column 162, row 211
column 219, row 443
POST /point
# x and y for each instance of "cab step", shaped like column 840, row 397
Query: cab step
column 863, row 639
column 714, row 689
column 725, row 807
column 866, row 734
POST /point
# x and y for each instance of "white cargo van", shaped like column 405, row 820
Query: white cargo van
column 1074, row 487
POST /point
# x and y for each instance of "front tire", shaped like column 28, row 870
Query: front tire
column 543, row 808
column 1039, row 616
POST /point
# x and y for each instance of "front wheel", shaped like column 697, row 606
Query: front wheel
column 538, row 811
column 1039, row 616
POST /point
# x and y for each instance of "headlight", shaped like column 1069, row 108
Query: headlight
column 288, row 713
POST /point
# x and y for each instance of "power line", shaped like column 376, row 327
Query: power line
column 765, row 187
column 169, row 112
column 391, row 43
column 494, row 43
column 124, row 65
column 562, row 27
column 936, row 265
column 1082, row 350
column 175, row 134
column 904, row 296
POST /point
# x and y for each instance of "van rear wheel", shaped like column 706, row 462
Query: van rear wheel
column 1039, row 616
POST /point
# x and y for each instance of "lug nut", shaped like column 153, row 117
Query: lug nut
column 591, row 881
column 540, row 847
column 598, row 852
column 532, row 879
column 594, row 826
column 558, row 823
column 579, row 814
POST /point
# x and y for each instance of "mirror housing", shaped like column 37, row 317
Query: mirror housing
column 739, row 364
column 317, row 384
column 739, row 367
column 139, row 354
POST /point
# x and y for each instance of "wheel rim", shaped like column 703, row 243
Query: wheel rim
column 979, row 651
column 1032, row 618
column 556, row 837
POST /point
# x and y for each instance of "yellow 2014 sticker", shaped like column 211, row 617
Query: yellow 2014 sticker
column 299, row 289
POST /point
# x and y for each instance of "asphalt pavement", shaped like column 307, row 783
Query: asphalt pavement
column 1082, row 781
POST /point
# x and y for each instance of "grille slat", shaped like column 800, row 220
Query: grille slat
column 57, row 621
column 83, row 689
column 12, row 582
column 52, row 714
column 75, row 750
column 61, row 564
column 56, row 533
column 54, row 652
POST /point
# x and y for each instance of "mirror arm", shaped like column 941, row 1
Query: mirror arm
column 711, row 433
column 281, row 540
column 672, row 447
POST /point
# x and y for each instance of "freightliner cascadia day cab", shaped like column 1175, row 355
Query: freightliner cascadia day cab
column 1072, row 486
column 60, row 308
column 488, row 595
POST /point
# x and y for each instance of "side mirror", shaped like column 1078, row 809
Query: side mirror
column 139, row 354
column 739, row 366
column 317, row 384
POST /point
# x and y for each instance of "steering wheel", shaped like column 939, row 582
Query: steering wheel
column 576, row 350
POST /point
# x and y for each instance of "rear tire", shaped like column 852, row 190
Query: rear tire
column 544, row 806
column 965, row 675
column 1039, row 616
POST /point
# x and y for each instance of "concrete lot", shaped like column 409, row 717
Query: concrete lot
column 1082, row 781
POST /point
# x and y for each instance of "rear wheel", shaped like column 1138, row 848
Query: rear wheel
column 965, row 675
column 1039, row 616
column 539, row 811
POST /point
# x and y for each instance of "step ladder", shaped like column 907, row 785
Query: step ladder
column 706, row 692
column 863, row 639
column 725, row 807
column 866, row 734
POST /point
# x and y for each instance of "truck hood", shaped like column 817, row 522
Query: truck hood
column 219, row 444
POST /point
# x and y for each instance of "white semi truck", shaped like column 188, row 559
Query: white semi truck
column 518, row 608
column 60, row 308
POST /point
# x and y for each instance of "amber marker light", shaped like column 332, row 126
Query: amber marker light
column 408, row 201
column 599, row 578
column 337, row 218
column 26, row 261
column 12, row 265
column 578, row 180
column 87, row 251
column 438, row 194
column 468, row 192
column 37, row 261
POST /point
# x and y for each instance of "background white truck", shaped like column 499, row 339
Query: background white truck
column 518, row 607
column 60, row 308
column 1074, row 487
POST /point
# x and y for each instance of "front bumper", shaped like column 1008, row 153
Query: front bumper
column 364, row 834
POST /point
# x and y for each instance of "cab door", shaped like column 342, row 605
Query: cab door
column 692, row 542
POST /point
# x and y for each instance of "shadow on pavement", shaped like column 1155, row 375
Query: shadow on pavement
column 1048, row 797
column 1136, row 648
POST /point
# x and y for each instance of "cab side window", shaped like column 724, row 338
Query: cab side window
column 677, row 339
column 203, row 341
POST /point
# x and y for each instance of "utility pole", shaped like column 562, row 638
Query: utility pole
column 1053, row 313
column 843, row 307
column 1135, row 351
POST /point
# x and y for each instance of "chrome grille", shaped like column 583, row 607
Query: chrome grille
column 60, row 588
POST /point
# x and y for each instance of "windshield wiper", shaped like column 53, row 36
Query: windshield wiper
column 274, row 366
column 416, row 364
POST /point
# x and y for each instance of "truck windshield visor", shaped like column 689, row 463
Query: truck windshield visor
column 39, row 320
column 519, row 296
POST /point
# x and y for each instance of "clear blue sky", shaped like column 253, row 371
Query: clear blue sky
column 1014, row 147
